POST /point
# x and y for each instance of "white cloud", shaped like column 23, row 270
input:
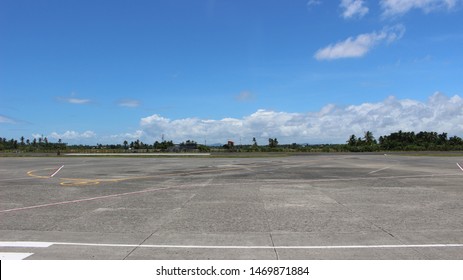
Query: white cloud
column 332, row 124
column 131, row 103
column 129, row 136
column 360, row 45
column 399, row 7
column 74, row 100
column 37, row 135
column 314, row 2
column 5, row 119
column 353, row 8
column 73, row 135
column 77, row 101
column 245, row 96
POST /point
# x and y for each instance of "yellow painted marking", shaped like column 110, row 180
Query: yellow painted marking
column 31, row 173
column 71, row 182
column 79, row 183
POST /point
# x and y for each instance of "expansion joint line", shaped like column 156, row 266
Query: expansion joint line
column 159, row 228
column 273, row 245
column 362, row 216
column 372, row 223
column 268, row 227
column 138, row 246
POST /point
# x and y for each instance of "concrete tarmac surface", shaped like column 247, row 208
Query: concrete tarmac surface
column 333, row 206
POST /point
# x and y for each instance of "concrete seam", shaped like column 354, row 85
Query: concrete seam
column 267, row 221
column 136, row 247
column 159, row 228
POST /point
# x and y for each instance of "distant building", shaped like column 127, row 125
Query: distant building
column 188, row 146
column 231, row 144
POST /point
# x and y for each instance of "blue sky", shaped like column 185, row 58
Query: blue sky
column 306, row 71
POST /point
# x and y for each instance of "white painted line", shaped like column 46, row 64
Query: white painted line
column 56, row 172
column 24, row 244
column 139, row 154
column 372, row 246
column 387, row 167
column 14, row 256
column 390, row 246
column 301, row 247
column 460, row 166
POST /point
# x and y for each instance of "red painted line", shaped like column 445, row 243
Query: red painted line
column 80, row 200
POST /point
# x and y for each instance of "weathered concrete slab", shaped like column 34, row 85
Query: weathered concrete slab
column 234, row 208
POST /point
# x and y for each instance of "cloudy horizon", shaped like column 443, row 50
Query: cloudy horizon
column 332, row 124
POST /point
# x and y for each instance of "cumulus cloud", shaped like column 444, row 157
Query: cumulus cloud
column 401, row 7
column 129, row 136
column 73, row 135
column 353, row 8
column 332, row 124
column 360, row 45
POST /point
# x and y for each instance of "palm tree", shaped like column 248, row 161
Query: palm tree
column 369, row 139
column 352, row 140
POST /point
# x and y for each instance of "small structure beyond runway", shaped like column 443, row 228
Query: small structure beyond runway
column 333, row 206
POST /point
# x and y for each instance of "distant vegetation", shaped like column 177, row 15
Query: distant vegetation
column 405, row 141
column 397, row 141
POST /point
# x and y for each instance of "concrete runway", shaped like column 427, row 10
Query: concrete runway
column 333, row 206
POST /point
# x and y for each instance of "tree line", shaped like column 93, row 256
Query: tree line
column 396, row 141
column 37, row 144
column 42, row 144
column 405, row 141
